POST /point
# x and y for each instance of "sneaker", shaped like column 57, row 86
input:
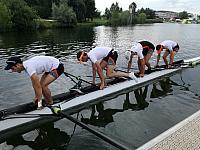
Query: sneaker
column 133, row 77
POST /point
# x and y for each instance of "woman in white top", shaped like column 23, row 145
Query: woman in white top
column 171, row 48
column 103, row 57
column 49, row 66
column 144, row 51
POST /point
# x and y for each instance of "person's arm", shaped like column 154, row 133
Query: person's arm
column 130, row 62
column 100, row 73
column 37, row 87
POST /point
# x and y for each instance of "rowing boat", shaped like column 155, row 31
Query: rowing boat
column 21, row 119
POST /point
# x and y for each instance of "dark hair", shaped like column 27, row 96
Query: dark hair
column 12, row 61
column 158, row 47
column 177, row 46
column 78, row 55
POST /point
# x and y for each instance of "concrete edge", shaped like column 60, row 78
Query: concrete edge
column 168, row 132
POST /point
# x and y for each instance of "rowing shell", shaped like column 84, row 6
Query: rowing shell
column 23, row 125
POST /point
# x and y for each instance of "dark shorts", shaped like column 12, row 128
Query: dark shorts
column 56, row 72
column 147, row 51
column 111, row 58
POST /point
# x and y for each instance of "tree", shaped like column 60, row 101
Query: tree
column 5, row 18
column 183, row 15
column 141, row 18
column 107, row 13
column 42, row 7
column 115, row 18
column 63, row 13
column 150, row 14
column 90, row 9
column 124, row 18
column 22, row 16
column 132, row 8
column 115, row 8
column 79, row 8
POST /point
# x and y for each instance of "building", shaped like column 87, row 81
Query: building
column 166, row 15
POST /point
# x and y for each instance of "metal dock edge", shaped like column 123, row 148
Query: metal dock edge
column 182, row 136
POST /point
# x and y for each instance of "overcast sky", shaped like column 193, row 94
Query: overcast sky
column 191, row 6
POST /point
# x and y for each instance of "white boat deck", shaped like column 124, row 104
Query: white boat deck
column 84, row 100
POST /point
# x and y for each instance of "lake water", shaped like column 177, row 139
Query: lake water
column 133, row 118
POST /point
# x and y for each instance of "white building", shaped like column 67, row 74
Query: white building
column 166, row 15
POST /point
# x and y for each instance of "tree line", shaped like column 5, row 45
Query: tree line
column 23, row 14
column 117, row 16
column 29, row 14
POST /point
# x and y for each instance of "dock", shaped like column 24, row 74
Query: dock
column 183, row 136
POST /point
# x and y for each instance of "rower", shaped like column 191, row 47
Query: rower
column 49, row 66
column 144, row 51
column 101, row 58
column 171, row 48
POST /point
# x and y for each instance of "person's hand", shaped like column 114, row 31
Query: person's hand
column 141, row 75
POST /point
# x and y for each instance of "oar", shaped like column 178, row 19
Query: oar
column 57, row 111
column 78, row 78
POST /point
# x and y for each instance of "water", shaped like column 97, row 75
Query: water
column 133, row 118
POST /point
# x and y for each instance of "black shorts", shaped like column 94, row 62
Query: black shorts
column 111, row 58
column 56, row 72
column 146, row 51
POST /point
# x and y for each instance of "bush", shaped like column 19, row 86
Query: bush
column 141, row 18
column 64, row 14
column 5, row 18
column 22, row 16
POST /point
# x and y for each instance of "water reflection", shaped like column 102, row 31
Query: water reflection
column 104, row 117
column 48, row 137
column 140, row 96
column 161, row 88
column 58, row 43
column 136, row 100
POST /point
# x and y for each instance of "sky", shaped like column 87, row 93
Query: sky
column 191, row 6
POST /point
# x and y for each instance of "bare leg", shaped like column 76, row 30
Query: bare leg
column 146, row 58
column 103, row 66
column 111, row 73
column 41, row 82
column 46, row 80
column 165, row 57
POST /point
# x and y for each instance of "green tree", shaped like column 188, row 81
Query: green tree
column 149, row 13
column 107, row 13
column 115, row 19
column 141, row 18
column 42, row 7
column 64, row 14
column 132, row 8
column 22, row 16
column 5, row 18
column 90, row 9
column 124, row 18
column 115, row 8
column 183, row 15
column 79, row 8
